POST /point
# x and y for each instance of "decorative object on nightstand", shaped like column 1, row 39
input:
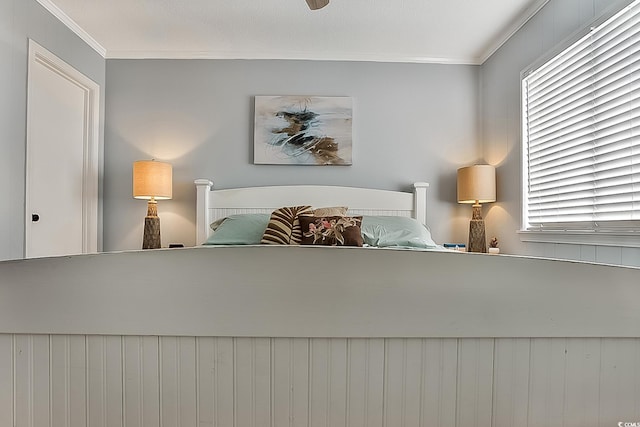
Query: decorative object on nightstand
column 493, row 246
column 152, row 181
column 459, row 247
column 477, row 184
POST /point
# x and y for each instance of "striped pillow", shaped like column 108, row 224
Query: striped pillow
column 284, row 226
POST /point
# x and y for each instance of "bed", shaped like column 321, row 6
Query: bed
column 215, row 204
column 245, row 335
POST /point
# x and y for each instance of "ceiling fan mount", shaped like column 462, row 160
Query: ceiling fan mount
column 317, row 4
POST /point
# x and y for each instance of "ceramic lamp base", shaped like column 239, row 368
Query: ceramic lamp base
column 151, row 236
column 477, row 238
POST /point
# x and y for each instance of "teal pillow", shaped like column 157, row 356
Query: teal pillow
column 240, row 229
column 387, row 231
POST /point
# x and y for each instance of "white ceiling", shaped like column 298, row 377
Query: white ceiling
column 439, row 31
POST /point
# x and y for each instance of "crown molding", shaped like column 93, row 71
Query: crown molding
column 294, row 56
column 507, row 34
column 71, row 24
column 496, row 44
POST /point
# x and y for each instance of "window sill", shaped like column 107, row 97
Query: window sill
column 628, row 239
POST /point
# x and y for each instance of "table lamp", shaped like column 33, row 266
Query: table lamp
column 477, row 184
column 152, row 181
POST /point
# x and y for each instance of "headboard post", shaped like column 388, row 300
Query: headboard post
column 203, row 186
column 420, row 198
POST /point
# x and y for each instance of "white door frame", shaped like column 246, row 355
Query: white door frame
column 38, row 55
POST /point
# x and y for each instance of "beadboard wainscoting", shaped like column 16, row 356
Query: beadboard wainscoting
column 90, row 380
column 614, row 255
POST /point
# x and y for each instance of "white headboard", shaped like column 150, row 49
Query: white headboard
column 215, row 204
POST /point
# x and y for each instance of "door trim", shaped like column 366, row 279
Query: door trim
column 38, row 55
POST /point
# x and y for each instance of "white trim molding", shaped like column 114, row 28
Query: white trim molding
column 502, row 38
column 625, row 239
column 38, row 55
column 73, row 26
column 492, row 46
column 292, row 56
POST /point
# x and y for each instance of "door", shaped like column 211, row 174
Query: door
column 62, row 162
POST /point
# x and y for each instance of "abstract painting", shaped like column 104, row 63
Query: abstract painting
column 302, row 130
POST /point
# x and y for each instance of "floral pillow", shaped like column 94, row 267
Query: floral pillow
column 331, row 230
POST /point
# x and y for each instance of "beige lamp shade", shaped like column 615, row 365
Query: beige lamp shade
column 477, row 184
column 152, row 179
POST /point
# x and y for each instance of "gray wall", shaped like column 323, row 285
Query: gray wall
column 19, row 21
column 552, row 27
column 412, row 122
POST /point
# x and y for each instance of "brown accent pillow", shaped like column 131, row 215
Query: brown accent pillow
column 331, row 211
column 331, row 230
column 284, row 226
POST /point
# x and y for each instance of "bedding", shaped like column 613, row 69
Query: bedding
column 331, row 230
column 284, row 226
column 372, row 230
column 396, row 231
column 240, row 229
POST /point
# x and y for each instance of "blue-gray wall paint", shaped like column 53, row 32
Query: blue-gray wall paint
column 552, row 27
column 19, row 21
column 411, row 122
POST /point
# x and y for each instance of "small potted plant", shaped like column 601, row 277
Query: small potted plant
column 493, row 246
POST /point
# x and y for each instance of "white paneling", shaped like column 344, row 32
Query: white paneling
column 630, row 256
column 22, row 379
column 177, row 381
column 252, row 381
column 327, row 382
column 511, row 382
column 588, row 253
column 77, row 381
column 41, row 380
column 582, row 381
column 439, row 382
column 547, row 382
column 619, row 379
column 60, row 375
column 547, row 250
column 365, row 382
column 141, row 381
column 132, row 381
column 474, row 382
column 565, row 251
column 290, row 374
column 6, row 380
column 113, row 403
column 104, row 381
column 95, row 381
column 215, row 378
column 608, row 254
column 403, row 382
column 338, row 374
column 206, row 380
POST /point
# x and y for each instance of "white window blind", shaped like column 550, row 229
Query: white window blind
column 581, row 132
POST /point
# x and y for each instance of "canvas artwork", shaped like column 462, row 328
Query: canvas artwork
column 299, row 130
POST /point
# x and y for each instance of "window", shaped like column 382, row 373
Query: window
column 581, row 133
